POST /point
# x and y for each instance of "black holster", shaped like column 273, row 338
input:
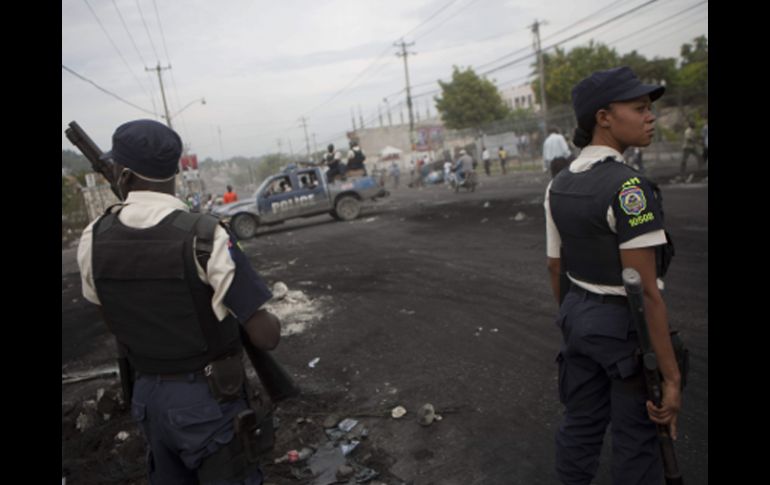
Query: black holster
column 254, row 429
column 226, row 377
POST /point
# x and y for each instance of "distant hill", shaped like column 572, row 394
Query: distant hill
column 74, row 162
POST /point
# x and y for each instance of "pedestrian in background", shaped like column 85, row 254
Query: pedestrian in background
column 487, row 159
column 503, row 156
column 229, row 196
column 689, row 147
column 555, row 148
column 601, row 217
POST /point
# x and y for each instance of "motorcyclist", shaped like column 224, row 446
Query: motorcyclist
column 463, row 167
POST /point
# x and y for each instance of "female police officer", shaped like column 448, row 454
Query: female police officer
column 601, row 217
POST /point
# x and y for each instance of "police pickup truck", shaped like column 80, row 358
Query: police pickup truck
column 298, row 192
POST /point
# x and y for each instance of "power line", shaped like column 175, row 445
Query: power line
column 106, row 91
column 659, row 23
column 141, row 15
column 445, row 20
column 627, row 12
column 141, row 86
column 138, row 53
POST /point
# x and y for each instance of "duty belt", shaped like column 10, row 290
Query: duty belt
column 588, row 295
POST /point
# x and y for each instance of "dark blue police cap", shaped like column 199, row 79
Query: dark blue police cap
column 147, row 147
column 604, row 87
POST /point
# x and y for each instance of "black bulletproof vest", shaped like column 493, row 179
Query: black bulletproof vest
column 152, row 298
column 579, row 202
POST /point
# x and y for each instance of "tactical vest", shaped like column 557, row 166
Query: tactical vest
column 579, row 202
column 152, row 298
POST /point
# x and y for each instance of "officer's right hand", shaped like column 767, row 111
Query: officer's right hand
column 264, row 330
column 668, row 412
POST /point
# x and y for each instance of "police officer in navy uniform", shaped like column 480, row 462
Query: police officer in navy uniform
column 175, row 314
column 603, row 216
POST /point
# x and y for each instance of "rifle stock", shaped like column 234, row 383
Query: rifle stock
column 633, row 285
column 91, row 151
column 274, row 378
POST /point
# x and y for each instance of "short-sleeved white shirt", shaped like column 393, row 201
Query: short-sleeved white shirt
column 145, row 209
column 588, row 157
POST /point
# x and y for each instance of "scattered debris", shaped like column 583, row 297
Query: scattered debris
column 486, row 204
column 520, row 216
column 122, row 436
column 313, row 362
column 427, row 414
column 408, row 312
column 348, row 447
column 344, row 472
column 331, row 421
column 494, row 330
column 280, row 290
column 347, row 424
column 398, row 412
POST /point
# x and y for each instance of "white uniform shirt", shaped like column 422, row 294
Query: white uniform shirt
column 555, row 146
column 145, row 209
column 588, row 157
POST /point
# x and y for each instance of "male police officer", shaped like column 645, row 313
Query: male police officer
column 174, row 301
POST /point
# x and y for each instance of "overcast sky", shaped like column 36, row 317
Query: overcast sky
column 262, row 65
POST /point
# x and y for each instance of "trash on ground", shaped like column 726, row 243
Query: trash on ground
column 486, row 204
column 347, row 424
column 408, row 312
column 398, row 412
column 344, row 472
column 520, row 216
column 313, row 362
column 325, row 463
column 122, row 436
column 280, row 290
column 348, row 447
column 365, row 474
column 427, row 414
column 331, row 421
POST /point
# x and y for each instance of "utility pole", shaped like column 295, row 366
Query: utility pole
column 307, row 140
column 405, row 54
column 353, row 118
column 315, row 145
column 279, row 145
column 390, row 120
column 162, row 92
column 221, row 150
column 360, row 117
column 539, row 51
column 379, row 114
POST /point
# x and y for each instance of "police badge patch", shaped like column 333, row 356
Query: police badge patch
column 632, row 200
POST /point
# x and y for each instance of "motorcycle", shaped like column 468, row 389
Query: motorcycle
column 468, row 182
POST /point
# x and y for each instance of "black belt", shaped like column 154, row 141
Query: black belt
column 614, row 299
column 184, row 376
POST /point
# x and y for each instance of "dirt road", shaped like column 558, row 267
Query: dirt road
column 442, row 298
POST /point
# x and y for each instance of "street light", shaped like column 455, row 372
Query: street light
column 202, row 100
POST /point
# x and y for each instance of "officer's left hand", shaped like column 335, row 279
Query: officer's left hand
column 668, row 412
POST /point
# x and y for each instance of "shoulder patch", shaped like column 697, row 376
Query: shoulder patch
column 632, row 200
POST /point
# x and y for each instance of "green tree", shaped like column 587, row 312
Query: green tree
column 469, row 101
column 564, row 70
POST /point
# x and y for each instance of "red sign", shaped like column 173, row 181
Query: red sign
column 189, row 162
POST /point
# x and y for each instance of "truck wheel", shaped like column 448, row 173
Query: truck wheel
column 347, row 208
column 244, row 226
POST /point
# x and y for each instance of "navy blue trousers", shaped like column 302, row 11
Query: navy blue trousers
column 183, row 424
column 599, row 385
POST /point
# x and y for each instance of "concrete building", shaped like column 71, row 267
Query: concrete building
column 520, row 97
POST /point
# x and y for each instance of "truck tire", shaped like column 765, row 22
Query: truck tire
column 244, row 226
column 347, row 208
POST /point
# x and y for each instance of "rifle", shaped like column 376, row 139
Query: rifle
column 276, row 381
column 88, row 148
column 633, row 284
